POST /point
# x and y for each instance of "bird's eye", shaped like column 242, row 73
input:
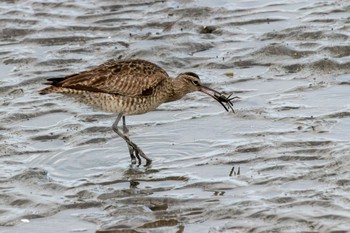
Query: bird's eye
column 195, row 82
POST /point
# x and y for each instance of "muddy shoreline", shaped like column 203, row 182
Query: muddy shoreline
column 62, row 169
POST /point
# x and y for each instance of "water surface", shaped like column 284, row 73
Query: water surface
column 62, row 169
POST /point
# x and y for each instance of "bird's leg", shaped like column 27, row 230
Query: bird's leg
column 135, row 151
column 133, row 155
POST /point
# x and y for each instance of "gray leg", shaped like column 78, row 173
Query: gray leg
column 135, row 151
column 133, row 155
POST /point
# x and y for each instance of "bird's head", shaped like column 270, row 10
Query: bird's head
column 191, row 82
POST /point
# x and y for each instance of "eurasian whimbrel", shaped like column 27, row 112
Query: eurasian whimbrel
column 130, row 87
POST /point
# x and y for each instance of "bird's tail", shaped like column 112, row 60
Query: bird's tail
column 48, row 90
column 54, row 88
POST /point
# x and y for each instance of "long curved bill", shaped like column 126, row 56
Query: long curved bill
column 225, row 101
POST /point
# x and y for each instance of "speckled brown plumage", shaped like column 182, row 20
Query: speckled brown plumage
column 129, row 87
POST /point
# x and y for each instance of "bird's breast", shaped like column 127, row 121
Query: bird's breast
column 128, row 105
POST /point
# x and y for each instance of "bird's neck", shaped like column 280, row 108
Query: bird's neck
column 176, row 90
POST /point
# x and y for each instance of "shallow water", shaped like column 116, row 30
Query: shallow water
column 62, row 169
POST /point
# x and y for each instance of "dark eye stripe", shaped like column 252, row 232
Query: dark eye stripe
column 192, row 74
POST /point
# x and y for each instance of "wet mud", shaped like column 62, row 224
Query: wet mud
column 62, row 169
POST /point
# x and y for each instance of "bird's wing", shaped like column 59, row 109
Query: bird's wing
column 130, row 78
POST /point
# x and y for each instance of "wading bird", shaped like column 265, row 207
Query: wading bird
column 130, row 87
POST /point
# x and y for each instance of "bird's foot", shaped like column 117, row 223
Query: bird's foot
column 136, row 153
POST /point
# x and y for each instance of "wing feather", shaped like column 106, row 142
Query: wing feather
column 129, row 78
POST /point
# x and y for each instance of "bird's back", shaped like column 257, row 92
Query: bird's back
column 128, row 87
column 125, row 77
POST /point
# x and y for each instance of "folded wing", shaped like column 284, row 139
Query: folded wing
column 129, row 78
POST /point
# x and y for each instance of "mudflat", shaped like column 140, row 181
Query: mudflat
column 63, row 169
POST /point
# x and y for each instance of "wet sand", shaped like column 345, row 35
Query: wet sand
column 62, row 169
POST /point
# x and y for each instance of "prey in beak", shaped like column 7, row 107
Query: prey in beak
column 225, row 101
